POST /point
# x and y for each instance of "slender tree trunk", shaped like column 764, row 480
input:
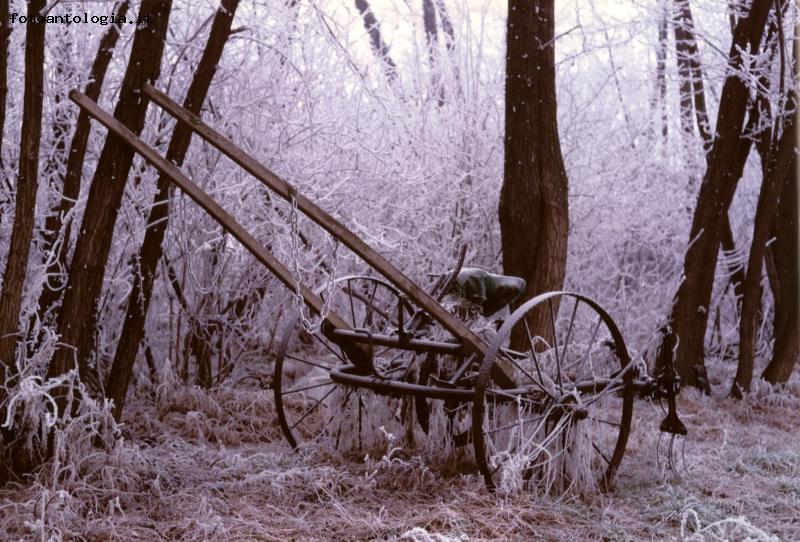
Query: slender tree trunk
column 62, row 119
column 661, row 73
column 786, row 350
column 447, row 26
column 432, row 41
column 27, row 187
column 684, row 77
column 781, row 161
column 5, row 33
column 379, row 47
column 449, row 43
column 533, row 199
column 689, row 313
column 59, row 222
column 77, row 319
column 686, row 46
column 152, row 249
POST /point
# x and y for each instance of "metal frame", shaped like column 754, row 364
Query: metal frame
column 472, row 344
column 483, row 362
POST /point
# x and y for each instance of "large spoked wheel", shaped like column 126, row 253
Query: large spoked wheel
column 313, row 409
column 567, row 417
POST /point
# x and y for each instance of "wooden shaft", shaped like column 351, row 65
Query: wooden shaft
column 322, row 218
column 219, row 214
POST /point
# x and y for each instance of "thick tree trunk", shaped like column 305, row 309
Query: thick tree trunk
column 786, row 350
column 379, row 47
column 533, row 199
column 59, row 219
column 689, row 313
column 27, row 187
column 152, row 249
column 77, row 319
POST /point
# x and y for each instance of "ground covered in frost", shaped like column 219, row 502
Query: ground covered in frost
column 197, row 465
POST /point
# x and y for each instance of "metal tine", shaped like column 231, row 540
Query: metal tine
column 683, row 458
column 672, row 466
column 670, row 453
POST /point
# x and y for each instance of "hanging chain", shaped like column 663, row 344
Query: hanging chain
column 299, row 300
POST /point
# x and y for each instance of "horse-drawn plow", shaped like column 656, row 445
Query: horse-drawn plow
column 547, row 399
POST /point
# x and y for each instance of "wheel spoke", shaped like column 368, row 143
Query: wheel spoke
column 368, row 312
column 307, row 362
column 591, row 341
column 312, row 409
column 607, row 460
column 515, row 424
column 350, row 297
column 533, row 351
column 555, row 340
column 311, row 387
column 569, row 331
column 326, row 345
column 615, row 424
column 533, row 380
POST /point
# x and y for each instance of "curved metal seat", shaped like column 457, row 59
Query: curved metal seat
column 491, row 292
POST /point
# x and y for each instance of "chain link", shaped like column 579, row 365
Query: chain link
column 299, row 301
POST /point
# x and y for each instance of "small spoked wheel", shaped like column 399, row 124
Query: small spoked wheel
column 565, row 419
column 313, row 409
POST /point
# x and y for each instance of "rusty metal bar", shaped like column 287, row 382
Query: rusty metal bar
column 322, row 218
column 416, row 345
column 219, row 214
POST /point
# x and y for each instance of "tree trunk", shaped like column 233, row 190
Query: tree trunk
column 432, row 41
column 152, row 249
column 786, row 350
column 684, row 77
column 661, row 73
column 77, row 319
column 27, row 186
column 686, row 47
column 5, row 33
column 449, row 43
column 533, row 200
column 782, row 159
column 689, row 314
column 60, row 217
column 379, row 47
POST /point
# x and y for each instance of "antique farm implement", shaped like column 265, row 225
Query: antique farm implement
column 547, row 398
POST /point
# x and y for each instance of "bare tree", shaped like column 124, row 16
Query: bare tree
column 778, row 163
column 152, row 250
column 77, row 319
column 59, row 222
column 533, row 199
column 786, row 349
column 689, row 313
column 27, row 187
